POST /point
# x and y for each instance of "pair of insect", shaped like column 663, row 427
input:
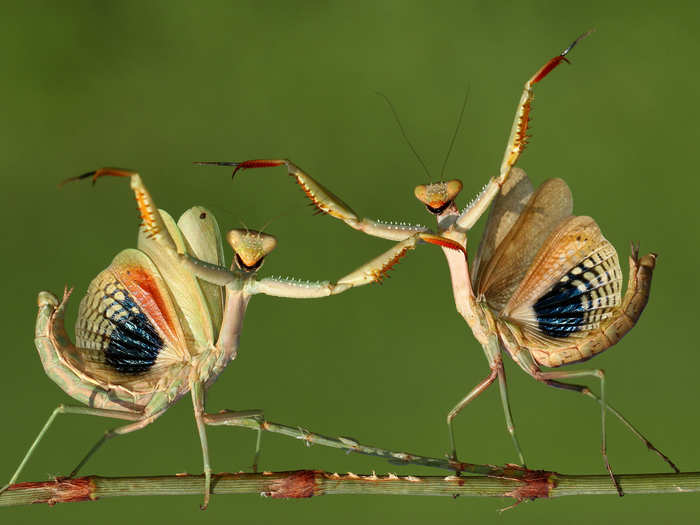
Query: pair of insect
column 164, row 319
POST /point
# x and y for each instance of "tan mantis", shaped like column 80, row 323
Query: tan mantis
column 545, row 286
column 164, row 320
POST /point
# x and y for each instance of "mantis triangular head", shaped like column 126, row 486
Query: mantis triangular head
column 438, row 196
column 250, row 248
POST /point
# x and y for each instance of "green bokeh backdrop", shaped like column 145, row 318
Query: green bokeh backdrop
column 156, row 85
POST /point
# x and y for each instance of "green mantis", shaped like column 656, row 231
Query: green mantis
column 544, row 286
column 164, row 320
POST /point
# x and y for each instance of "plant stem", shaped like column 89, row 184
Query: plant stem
column 308, row 483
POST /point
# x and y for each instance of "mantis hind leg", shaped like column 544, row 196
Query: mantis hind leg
column 587, row 392
column 119, row 431
column 550, row 378
column 63, row 409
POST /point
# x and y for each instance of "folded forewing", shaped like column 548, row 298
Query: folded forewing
column 203, row 239
column 507, row 207
column 572, row 285
column 184, row 287
column 548, row 206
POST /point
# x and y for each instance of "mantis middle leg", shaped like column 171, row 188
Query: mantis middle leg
column 493, row 355
column 198, row 403
column 234, row 418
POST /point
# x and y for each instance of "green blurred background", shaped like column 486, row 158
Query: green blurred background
column 154, row 86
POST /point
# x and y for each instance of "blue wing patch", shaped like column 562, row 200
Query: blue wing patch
column 581, row 299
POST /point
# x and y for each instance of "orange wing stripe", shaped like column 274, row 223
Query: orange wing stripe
column 144, row 289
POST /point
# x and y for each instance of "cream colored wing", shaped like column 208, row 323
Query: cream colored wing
column 507, row 207
column 548, row 206
column 203, row 239
column 184, row 287
column 573, row 284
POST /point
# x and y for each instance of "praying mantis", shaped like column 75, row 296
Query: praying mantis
column 164, row 320
column 544, row 286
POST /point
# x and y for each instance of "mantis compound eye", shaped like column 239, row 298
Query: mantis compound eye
column 437, row 197
column 250, row 248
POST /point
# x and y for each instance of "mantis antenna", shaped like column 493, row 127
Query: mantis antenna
column 403, row 132
column 454, row 135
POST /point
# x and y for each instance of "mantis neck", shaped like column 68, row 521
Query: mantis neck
column 226, row 347
column 459, row 274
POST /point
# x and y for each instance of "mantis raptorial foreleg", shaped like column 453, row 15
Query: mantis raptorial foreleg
column 327, row 202
column 516, row 142
column 153, row 224
column 63, row 409
column 373, row 271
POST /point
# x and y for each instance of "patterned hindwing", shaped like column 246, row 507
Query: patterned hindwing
column 113, row 325
column 573, row 285
column 127, row 330
column 583, row 298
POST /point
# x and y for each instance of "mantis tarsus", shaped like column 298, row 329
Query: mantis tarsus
column 545, row 286
column 164, row 319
